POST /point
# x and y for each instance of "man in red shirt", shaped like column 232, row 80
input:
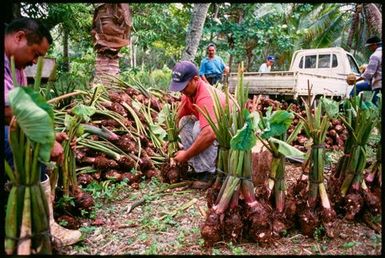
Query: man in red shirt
column 198, row 138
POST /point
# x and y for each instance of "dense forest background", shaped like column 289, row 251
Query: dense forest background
column 161, row 34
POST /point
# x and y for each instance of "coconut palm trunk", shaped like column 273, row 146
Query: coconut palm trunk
column 195, row 29
column 110, row 32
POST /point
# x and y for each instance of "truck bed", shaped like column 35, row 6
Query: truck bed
column 291, row 83
column 280, row 83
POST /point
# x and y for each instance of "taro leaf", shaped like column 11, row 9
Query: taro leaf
column 277, row 124
column 330, row 106
column 69, row 122
column 256, row 118
column 84, row 112
column 159, row 131
column 35, row 118
column 245, row 137
column 286, row 149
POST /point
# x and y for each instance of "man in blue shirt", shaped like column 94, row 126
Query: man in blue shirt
column 212, row 67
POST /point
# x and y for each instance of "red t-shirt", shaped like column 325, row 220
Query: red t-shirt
column 203, row 100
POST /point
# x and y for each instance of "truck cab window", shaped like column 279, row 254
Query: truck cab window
column 353, row 65
column 310, row 62
column 300, row 65
column 334, row 62
column 324, row 61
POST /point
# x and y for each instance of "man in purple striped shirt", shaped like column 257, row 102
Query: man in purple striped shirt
column 372, row 76
column 26, row 40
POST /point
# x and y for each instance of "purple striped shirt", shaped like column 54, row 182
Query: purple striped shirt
column 8, row 82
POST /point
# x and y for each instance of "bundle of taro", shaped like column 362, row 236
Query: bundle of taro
column 272, row 134
column 350, row 191
column 235, row 212
column 314, row 206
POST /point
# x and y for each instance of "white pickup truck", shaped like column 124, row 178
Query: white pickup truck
column 325, row 69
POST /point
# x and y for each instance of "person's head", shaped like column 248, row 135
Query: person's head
column 372, row 43
column 270, row 60
column 211, row 50
column 26, row 39
column 185, row 75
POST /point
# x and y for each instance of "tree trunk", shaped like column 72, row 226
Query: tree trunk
column 373, row 18
column 354, row 25
column 194, row 32
column 110, row 32
column 66, row 64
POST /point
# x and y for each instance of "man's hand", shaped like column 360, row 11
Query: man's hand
column 180, row 157
column 57, row 153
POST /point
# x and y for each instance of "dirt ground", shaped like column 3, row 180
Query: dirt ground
column 168, row 223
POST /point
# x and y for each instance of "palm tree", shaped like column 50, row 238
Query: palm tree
column 110, row 32
column 194, row 32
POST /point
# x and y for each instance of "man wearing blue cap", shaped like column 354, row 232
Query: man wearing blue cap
column 198, row 138
column 266, row 67
column 372, row 76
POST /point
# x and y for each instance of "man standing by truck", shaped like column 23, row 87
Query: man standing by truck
column 372, row 76
column 212, row 67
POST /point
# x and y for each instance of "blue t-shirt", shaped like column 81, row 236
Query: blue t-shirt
column 213, row 66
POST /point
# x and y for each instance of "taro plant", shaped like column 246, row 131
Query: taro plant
column 32, row 136
column 316, row 124
column 273, row 128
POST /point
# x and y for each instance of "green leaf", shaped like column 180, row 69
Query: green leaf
column 35, row 118
column 245, row 137
column 286, row 149
column 330, row 106
column 84, row 112
column 32, row 115
column 277, row 124
column 159, row 131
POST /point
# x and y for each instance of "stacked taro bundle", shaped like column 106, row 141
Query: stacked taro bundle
column 315, row 208
column 351, row 193
column 235, row 212
column 119, row 135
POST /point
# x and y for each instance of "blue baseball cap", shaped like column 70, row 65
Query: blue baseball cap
column 270, row 58
column 182, row 73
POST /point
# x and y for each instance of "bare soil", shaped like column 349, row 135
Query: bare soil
column 168, row 223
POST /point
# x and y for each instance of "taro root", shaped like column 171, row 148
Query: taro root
column 146, row 163
column 131, row 91
column 84, row 179
column 126, row 162
column 127, row 144
column 150, row 173
column 308, row 221
column 353, row 205
column 211, row 229
column 101, row 162
column 68, row 221
column 83, row 200
column 260, row 229
column 97, row 175
column 173, row 174
column 372, row 201
column 328, row 217
column 113, row 174
column 234, row 225
column 279, row 224
column 129, row 176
